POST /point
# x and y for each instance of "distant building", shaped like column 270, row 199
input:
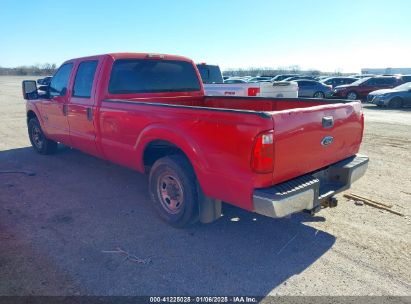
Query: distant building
column 386, row 71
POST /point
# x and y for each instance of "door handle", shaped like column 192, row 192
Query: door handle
column 89, row 114
column 65, row 109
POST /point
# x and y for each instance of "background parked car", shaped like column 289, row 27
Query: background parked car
column 360, row 76
column 267, row 75
column 298, row 77
column 210, row 73
column 312, row 88
column 282, row 77
column 362, row 87
column 234, row 80
column 44, row 84
column 336, row 81
column 397, row 97
column 405, row 78
column 321, row 78
column 44, row 81
column 259, row 79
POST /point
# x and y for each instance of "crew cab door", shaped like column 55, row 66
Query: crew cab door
column 82, row 107
column 54, row 108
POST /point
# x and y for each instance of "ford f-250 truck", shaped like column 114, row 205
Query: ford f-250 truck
column 148, row 112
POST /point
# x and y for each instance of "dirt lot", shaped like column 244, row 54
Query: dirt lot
column 56, row 225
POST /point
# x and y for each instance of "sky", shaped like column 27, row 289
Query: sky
column 336, row 35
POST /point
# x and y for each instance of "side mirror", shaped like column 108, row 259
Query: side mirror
column 63, row 92
column 29, row 89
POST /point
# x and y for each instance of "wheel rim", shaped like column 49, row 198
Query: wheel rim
column 170, row 193
column 352, row 96
column 319, row 95
column 37, row 136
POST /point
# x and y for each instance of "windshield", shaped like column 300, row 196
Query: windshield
column 360, row 81
column 403, row 87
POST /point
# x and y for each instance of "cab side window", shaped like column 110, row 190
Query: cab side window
column 83, row 82
column 390, row 81
column 371, row 82
column 59, row 82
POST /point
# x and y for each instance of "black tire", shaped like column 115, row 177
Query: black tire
column 395, row 103
column 319, row 94
column 352, row 95
column 173, row 191
column 41, row 144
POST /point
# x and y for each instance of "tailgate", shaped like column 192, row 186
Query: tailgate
column 307, row 139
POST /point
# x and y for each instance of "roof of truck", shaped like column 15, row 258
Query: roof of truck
column 136, row 56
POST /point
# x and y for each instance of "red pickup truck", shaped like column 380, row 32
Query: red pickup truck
column 148, row 112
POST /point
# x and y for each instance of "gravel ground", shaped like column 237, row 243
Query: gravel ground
column 56, row 226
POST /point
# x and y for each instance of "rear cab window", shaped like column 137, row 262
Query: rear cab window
column 129, row 76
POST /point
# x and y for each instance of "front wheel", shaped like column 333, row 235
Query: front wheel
column 352, row 96
column 319, row 95
column 38, row 140
column 395, row 103
column 173, row 191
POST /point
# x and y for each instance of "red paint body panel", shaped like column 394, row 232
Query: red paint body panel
column 217, row 134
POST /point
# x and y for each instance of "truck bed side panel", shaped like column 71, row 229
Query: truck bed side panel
column 217, row 142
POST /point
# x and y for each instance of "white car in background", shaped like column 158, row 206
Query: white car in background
column 215, row 86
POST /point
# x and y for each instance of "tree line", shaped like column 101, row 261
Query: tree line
column 35, row 70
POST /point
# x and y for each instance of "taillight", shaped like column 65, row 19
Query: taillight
column 263, row 153
column 253, row 91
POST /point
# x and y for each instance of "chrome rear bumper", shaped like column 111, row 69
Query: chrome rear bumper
column 307, row 192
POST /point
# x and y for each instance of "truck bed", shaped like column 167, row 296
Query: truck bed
column 258, row 104
column 222, row 130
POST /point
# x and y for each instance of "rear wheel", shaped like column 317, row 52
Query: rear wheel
column 173, row 191
column 39, row 141
column 319, row 95
column 395, row 103
column 352, row 96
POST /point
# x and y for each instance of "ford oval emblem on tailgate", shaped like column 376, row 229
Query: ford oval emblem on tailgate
column 328, row 140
